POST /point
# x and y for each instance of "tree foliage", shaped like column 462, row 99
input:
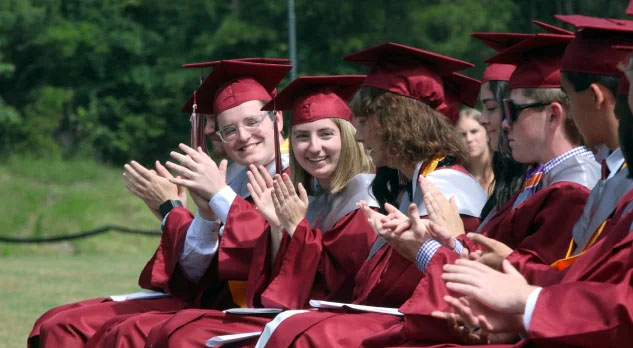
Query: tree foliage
column 102, row 77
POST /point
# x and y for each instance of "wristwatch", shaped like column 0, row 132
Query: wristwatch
column 168, row 205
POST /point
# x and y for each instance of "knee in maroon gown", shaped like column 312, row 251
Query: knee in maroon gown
column 193, row 327
column 73, row 325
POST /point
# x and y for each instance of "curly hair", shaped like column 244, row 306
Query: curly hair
column 412, row 131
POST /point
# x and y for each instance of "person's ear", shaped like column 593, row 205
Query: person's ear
column 557, row 113
column 597, row 95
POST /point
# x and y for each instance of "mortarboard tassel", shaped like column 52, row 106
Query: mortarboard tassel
column 197, row 127
column 278, row 167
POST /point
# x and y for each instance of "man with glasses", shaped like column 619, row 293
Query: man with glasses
column 206, row 259
column 217, row 241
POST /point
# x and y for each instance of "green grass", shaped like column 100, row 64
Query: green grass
column 48, row 197
column 44, row 197
column 33, row 284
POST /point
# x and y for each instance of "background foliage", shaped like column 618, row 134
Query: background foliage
column 101, row 78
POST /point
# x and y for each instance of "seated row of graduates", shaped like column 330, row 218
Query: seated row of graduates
column 329, row 229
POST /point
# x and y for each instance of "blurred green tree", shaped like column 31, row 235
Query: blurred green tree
column 102, row 78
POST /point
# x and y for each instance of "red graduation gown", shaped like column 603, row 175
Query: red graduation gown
column 541, row 224
column 163, row 273
column 311, row 264
column 386, row 280
column 590, row 303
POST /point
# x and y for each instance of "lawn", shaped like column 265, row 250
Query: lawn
column 32, row 284
column 48, row 197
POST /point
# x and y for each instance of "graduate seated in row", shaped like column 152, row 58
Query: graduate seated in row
column 318, row 238
column 196, row 256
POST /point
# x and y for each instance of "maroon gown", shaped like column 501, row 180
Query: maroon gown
column 74, row 324
column 528, row 226
column 312, row 264
column 590, row 303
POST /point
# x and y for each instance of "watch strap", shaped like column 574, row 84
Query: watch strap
column 168, row 205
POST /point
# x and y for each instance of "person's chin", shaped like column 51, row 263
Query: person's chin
column 322, row 172
column 248, row 159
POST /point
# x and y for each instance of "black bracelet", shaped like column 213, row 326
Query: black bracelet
column 167, row 206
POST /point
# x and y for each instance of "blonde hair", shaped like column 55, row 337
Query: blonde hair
column 469, row 113
column 352, row 161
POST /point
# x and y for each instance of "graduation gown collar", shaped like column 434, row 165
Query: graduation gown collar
column 326, row 209
column 239, row 179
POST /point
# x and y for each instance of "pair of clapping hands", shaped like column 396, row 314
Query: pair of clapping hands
column 493, row 292
column 202, row 177
column 277, row 199
column 407, row 232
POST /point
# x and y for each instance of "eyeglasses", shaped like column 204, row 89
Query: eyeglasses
column 513, row 110
column 251, row 124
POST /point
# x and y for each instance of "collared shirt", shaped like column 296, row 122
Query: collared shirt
column 428, row 249
column 614, row 163
column 577, row 151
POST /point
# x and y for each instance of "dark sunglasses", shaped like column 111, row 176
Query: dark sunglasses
column 512, row 110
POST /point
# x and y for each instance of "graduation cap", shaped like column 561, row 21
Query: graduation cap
column 460, row 89
column 537, row 59
column 311, row 98
column 499, row 42
column 592, row 50
column 233, row 82
column 252, row 60
column 597, row 23
column 409, row 71
column 188, row 107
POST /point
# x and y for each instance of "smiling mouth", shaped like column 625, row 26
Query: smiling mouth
column 316, row 159
column 248, row 147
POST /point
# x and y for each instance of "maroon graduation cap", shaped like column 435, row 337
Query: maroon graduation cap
column 252, row 60
column 311, row 98
column 499, row 42
column 537, row 59
column 409, row 71
column 592, row 50
column 460, row 89
column 233, row 82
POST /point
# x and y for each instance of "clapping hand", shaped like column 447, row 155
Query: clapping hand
column 505, row 291
column 261, row 189
column 442, row 211
column 198, row 172
column 152, row 186
column 408, row 235
column 290, row 207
